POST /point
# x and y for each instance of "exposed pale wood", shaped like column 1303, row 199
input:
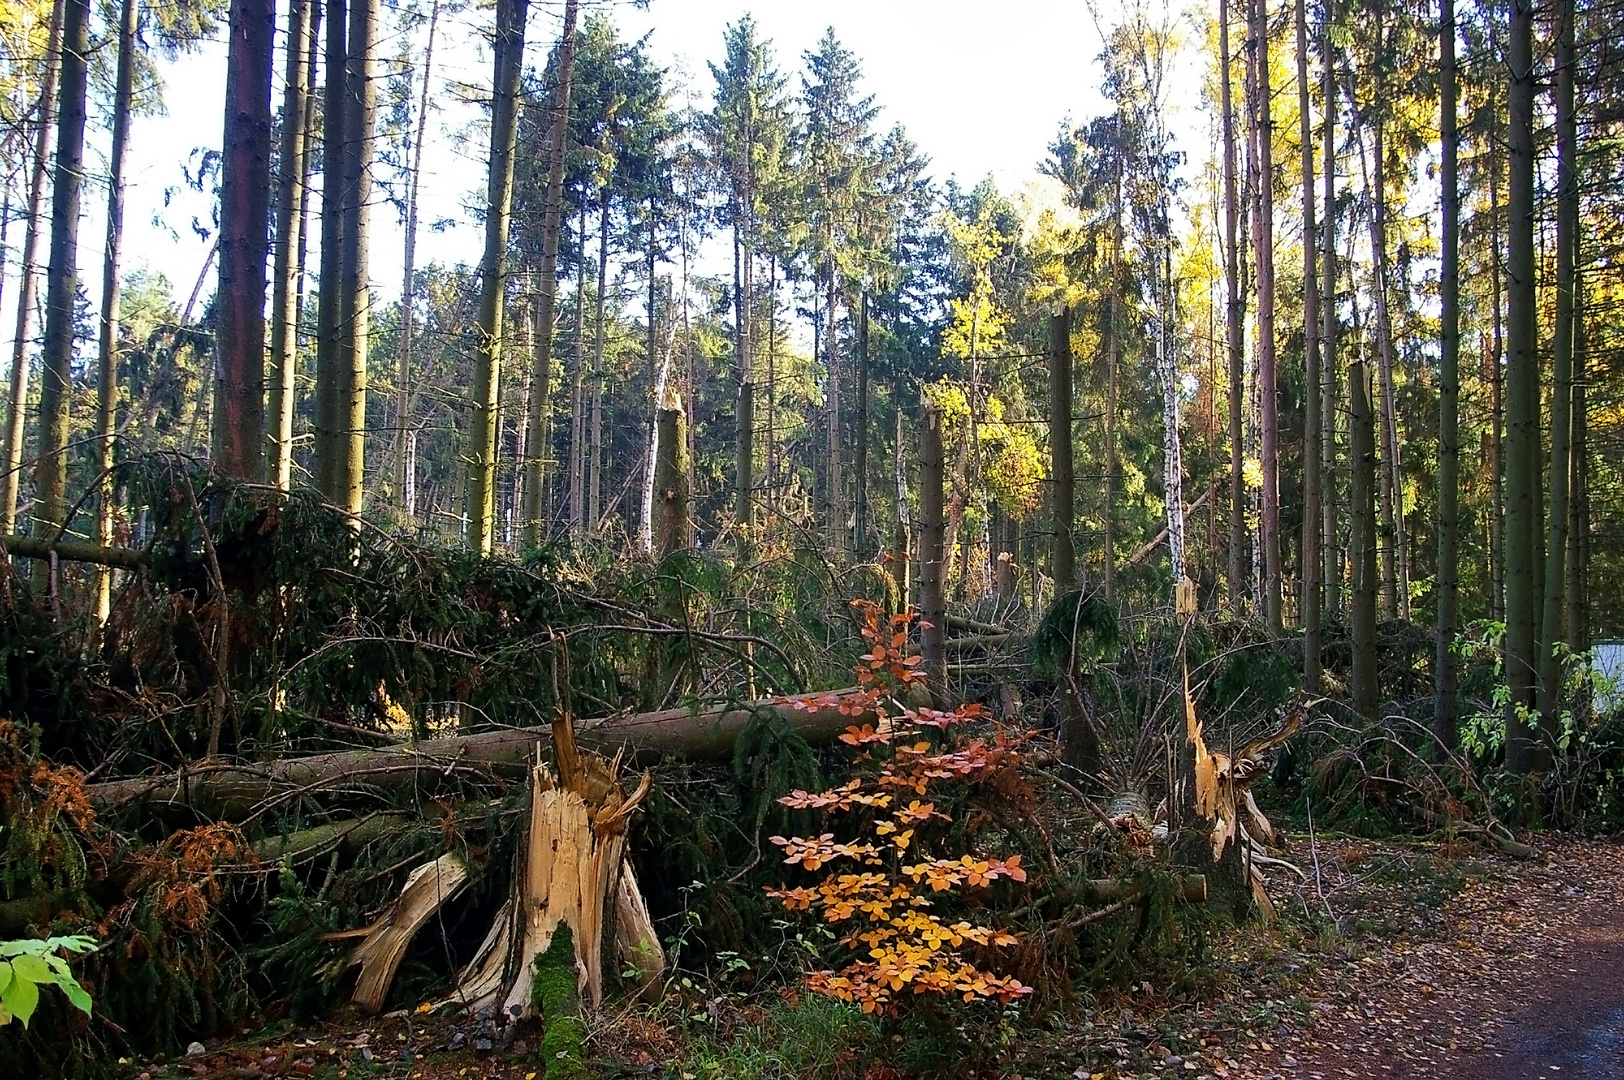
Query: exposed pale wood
column 636, row 943
column 571, row 868
column 385, row 943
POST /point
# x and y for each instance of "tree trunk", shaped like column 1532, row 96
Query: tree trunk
column 932, row 609
column 1362, row 493
column 335, row 118
column 536, row 471
column 1061, row 459
column 594, row 485
column 1331, row 559
column 1576, row 624
column 28, row 275
column 62, row 282
column 671, row 476
column 408, row 288
column 772, row 385
column 1263, row 247
column 1444, row 723
column 284, row 363
column 107, row 346
column 577, row 449
column 1522, row 482
column 1567, row 236
column 361, row 98
column 860, row 465
column 1395, row 591
column 1310, row 555
column 1112, row 361
column 837, row 500
column 744, row 340
column 245, row 206
column 1497, row 471
column 901, row 543
column 508, row 64
column 1235, row 311
column 658, row 368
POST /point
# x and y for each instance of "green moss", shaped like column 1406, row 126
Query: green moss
column 553, row 996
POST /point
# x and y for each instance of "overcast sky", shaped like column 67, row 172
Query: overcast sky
column 981, row 88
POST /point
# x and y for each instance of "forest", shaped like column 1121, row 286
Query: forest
column 786, row 611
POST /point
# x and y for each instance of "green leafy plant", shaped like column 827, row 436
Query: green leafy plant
column 27, row 965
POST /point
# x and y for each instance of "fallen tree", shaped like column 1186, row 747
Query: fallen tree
column 232, row 791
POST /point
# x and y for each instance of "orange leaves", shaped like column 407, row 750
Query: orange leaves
column 918, row 811
column 897, row 943
column 845, row 797
column 862, row 736
column 944, row 874
column 812, row 854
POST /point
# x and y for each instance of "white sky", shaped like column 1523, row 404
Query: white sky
column 980, row 88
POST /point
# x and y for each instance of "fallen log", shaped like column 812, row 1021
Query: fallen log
column 222, row 791
column 348, row 835
column 1187, row 888
column 959, row 622
column 30, row 547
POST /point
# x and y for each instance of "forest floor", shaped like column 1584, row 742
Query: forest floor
column 1391, row 960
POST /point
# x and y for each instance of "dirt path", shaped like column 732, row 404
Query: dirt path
column 1519, row 976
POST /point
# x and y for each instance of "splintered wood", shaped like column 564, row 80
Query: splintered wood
column 1224, row 799
column 570, row 868
column 385, row 941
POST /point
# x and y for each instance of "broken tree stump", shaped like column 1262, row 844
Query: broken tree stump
column 571, row 871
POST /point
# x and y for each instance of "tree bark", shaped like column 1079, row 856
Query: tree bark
column 245, row 205
column 658, row 368
column 1444, row 719
column 361, row 96
column 860, row 462
column 1363, row 543
column 107, row 346
column 594, row 487
column 671, row 477
column 507, row 67
column 535, row 467
column 1113, row 357
column 62, row 282
column 284, row 363
column 1576, row 625
column 1497, row 501
column 837, row 493
column 577, row 447
column 1522, row 481
column 336, row 118
column 932, row 608
column 1310, row 555
column 407, row 481
column 1263, row 246
column 1235, row 311
column 28, row 274
column 1395, row 580
column 1567, row 237
column 1331, row 558
column 901, row 543
column 1061, row 459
